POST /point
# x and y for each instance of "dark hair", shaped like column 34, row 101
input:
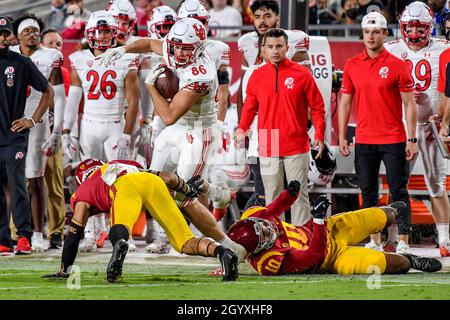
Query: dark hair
column 43, row 34
column 275, row 33
column 268, row 4
column 23, row 17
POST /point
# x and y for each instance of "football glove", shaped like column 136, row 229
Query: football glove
column 111, row 55
column 123, row 146
column 194, row 185
column 154, row 74
column 293, row 187
column 320, row 207
column 69, row 147
column 51, row 147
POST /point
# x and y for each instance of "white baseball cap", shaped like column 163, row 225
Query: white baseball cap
column 374, row 20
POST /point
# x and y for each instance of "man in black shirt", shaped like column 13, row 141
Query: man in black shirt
column 17, row 73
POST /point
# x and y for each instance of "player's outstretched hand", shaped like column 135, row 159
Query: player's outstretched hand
column 293, row 187
column 58, row 275
column 111, row 55
column 320, row 207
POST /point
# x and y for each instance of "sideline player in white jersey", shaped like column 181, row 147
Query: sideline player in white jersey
column 192, row 132
column 266, row 16
column 105, row 133
column 422, row 53
column 125, row 16
column 49, row 61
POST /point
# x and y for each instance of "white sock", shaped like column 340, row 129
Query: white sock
column 393, row 233
column 100, row 222
column 89, row 230
column 442, row 229
column 236, row 247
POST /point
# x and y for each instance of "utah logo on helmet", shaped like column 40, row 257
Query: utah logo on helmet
column 188, row 35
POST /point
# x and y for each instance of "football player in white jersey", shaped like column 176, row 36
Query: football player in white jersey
column 192, row 133
column 266, row 16
column 125, row 16
column 162, row 20
column 27, row 28
column 422, row 52
column 105, row 133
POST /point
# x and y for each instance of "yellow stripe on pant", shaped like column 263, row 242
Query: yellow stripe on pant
column 350, row 228
column 142, row 189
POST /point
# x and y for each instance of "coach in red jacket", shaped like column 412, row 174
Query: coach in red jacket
column 281, row 92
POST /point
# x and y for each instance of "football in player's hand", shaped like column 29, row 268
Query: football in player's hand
column 167, row 83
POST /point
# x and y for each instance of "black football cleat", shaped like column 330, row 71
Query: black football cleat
column 423, row 264
column 400, row 208
column 55, row 241
column 114, row 269
column 229, row 261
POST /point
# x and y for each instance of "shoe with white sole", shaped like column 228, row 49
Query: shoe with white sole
column 160, row 246
column 444, row 249
column 37, row 242
column 88, row 245
column 131, row 245
column 402, row 247
column 372, row 245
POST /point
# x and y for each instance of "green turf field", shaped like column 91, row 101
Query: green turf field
column 180, row 278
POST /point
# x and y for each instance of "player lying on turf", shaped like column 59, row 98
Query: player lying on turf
column 321, row 245
column 121, row 188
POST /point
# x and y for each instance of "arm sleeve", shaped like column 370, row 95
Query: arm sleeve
column 37, row 79
column 347, row 83
column 317, row 108
column 297, row 261
column 71, row 110
column 250, row 107
column 405, row 80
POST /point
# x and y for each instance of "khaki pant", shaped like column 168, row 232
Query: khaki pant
column 296, row 167
column 56, row 202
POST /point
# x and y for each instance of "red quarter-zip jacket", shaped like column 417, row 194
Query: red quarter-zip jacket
column 281, row 95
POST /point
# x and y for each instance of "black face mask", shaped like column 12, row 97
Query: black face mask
column 352, row 13
column 447, row 35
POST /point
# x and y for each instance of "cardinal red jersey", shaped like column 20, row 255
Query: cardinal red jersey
column 95, row 190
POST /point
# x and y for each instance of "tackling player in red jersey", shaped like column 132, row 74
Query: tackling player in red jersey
column 321, row 245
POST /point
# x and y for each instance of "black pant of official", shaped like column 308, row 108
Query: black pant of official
column 368, row 159
column 254, row 199
column 12, row 174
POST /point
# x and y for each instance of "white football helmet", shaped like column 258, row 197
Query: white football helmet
column 417, row 14
column 124, row 10
column 101, row 21
column 194, row 9
column 163, row 18
column 322, row 170
column 187, row 33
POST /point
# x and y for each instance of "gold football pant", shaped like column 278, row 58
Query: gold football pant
column 350, row 228
column 56, row 203
column 134, row 191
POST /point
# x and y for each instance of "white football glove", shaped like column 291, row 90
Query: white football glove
column 111, row 55
column 52, row 145
column 69, row 147
column 154, row 74
column 123, row 147
column 145, row 134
